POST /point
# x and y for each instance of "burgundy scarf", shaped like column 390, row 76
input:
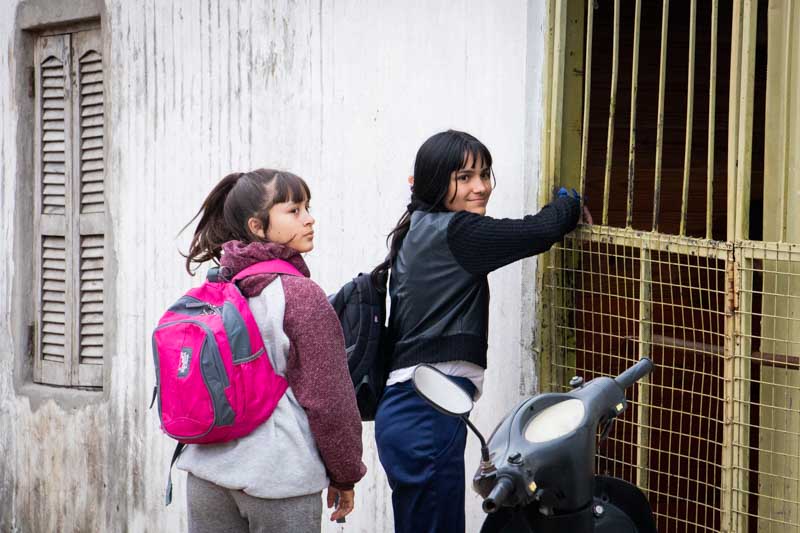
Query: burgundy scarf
column 237, row 256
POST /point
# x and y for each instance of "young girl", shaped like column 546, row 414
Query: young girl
column 270, row 480
column 441, row 251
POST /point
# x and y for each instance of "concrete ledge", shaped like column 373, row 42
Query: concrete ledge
column 38, row 14
column 63, row 397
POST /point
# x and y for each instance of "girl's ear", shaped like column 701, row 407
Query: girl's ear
column 411, row 180
column 256, row 228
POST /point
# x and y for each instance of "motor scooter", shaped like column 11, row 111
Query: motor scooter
column 537, row 469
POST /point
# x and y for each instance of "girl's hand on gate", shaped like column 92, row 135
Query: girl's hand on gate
column 586, row 216
column 345, row 504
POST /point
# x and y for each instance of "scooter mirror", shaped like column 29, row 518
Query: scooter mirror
column 441, row 392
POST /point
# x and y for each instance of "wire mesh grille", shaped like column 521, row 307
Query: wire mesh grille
column 719, row 416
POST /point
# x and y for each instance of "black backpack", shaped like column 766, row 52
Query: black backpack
column 361, row 307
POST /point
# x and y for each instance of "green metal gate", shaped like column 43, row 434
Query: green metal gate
column 694, row 262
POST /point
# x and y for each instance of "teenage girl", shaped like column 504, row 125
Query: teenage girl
column 271, row 480
column 441, row 251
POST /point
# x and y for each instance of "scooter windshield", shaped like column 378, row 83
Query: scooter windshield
column 555, row 421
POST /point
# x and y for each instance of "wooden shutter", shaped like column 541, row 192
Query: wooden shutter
column 70, row 212
column 52, row 205
column 89, row 197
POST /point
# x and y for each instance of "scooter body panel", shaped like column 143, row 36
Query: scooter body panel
column 617, row 507
column 626, row 498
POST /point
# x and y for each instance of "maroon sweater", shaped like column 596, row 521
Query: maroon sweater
column 317, row 364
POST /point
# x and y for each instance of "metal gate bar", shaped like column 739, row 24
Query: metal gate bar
column 687, row 157
column 787, row 75
column 587, row 93
column 643, row 388
column 612, row 106
column 660, row 120
column 637, row 25
column 736, row 433
column 712, row 117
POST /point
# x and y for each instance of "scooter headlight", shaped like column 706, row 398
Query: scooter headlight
column 555, row 421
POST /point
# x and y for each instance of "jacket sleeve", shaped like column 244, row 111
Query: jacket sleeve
column 482, row 244
column 318, row 375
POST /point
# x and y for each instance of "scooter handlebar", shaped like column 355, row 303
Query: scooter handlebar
column 502, row 489
column 635, row 373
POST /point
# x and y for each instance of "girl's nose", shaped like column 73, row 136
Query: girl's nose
column 480, row 187
column 309, row 220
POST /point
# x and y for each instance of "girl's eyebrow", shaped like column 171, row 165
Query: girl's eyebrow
column 469, row 170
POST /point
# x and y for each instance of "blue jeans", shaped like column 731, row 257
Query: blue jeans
column 422, row 452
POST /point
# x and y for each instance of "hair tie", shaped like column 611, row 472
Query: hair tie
column 414, row 204
column 417, row 204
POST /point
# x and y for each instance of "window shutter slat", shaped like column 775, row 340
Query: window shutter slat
column 51, row 155
column 91, row 110
column 54, row 140
column 53, row 173
column 53, row 114
column 53, row 125
column 92, row 121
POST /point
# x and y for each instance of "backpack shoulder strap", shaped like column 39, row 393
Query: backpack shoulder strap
column 369, row 293
column 273, row 266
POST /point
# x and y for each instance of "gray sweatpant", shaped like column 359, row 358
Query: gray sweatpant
column 215, row 509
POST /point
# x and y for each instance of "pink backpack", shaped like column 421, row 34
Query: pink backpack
column 214, row 379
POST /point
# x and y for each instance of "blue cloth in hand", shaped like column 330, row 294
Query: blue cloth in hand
column 564, row 192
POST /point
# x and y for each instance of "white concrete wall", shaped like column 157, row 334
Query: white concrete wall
column 342, row 93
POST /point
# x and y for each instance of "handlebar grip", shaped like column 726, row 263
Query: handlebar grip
column 502, row 489
column 635, row 373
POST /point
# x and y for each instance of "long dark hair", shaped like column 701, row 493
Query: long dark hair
column 437, row 158
column 232, row 202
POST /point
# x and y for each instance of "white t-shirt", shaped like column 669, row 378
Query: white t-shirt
column 460, row 369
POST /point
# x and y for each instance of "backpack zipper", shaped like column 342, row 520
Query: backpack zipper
column 191, row 304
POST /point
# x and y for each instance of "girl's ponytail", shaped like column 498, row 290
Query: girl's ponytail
column 226, row 211
column 395, row 240
column 211, row 231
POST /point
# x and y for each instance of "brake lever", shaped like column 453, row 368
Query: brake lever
column 609, row 422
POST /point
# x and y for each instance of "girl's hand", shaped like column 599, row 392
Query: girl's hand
column 586, row 216
column 345, row 504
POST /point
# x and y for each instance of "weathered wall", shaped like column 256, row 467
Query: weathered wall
column 342, row 93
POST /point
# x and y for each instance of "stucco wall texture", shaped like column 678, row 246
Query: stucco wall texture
column 342, row 93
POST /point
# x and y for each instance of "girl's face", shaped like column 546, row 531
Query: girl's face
column 290, row 224
column 470, row 187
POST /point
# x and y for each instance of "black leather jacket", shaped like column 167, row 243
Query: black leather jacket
column 440, row 312
column 438, row 287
